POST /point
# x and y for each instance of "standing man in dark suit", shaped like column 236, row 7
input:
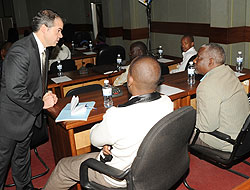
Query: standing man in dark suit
column 23, row 96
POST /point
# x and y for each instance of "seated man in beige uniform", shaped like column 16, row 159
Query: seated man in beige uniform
column 222, row 103
column 136, row 49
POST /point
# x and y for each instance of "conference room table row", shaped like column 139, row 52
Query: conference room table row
column 76, row 77
column 70, row 138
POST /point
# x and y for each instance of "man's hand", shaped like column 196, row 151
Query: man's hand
column 49, row 100
column 106, row 150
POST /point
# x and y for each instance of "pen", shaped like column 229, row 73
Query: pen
column 86, row 105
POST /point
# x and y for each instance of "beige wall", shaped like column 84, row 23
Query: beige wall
column 130, row 14
column 185, row 11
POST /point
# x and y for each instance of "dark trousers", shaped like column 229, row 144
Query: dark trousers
column 16, row 153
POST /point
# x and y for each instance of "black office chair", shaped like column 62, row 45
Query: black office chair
column 190, row 59
column 225, row 160
column 39, row 137
column 162, row 161
column 83, row 89
column 67, row 65
column 109, row 54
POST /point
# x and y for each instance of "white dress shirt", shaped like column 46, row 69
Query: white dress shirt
column 41, row 48
column 186, row 56
column 125, row 127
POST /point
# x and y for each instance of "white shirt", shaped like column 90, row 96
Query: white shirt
column 120, row 80
column 125, row 127
column 63, row 54
column 41, row 48
column 186, row 56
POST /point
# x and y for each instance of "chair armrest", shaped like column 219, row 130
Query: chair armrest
column 101, row 168
column 217, row 134
column 222, row 136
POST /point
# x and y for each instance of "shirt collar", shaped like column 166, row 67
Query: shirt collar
column 41, row 48
column 190, row 49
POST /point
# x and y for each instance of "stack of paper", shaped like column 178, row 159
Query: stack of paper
column 163, row 60
column 61, row 79
column 168, row 90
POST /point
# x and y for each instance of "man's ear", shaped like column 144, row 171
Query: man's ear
column 192, row 44
column 211, row 62
column 130, row 80
column 43, row 28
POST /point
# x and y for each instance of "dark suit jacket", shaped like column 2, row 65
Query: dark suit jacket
column 21, row 89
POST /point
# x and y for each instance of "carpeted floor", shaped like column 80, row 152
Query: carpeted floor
column 202, row 176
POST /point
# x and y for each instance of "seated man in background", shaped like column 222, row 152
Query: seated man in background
column 145, row 108
column 59, row 52
column 222, row 103
column 188, row 53
column 136, row 49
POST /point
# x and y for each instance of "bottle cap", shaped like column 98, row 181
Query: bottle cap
column 239, row 52
column 191, row 63
column 106, row 81
column 118, row 55
column 160, row 46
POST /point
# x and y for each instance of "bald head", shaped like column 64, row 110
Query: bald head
column 144, row 74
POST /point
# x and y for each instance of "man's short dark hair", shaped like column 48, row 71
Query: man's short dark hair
column 188, row 36
column 140, row 45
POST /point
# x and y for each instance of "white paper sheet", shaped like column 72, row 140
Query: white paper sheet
column 163, row 60
column 237, row 74
column 61, row 79
column 75, row 108
column 89, row 53
column 109, row 72
column 168, row 90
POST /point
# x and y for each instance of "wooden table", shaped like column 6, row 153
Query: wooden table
column 78, row 78
column 82, row 59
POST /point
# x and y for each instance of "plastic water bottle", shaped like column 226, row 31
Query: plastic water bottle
column 119, row 62
column 73, row 45
column 107, row 94
column 239, row 62
column 191, row 73
column 160, row 51
column 59, row 68
column 90, row 46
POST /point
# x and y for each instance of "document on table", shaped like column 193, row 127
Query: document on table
column 65, row 114
column 237, row 74
column 168, row 90
column 61, row 79
column 163, row 60
column 89, row 53
column 110, row 72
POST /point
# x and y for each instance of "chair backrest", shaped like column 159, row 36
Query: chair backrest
column 83, row 89
column 190, row 59
column 162, row 158
column 242, row 146
column 109, row 54
column 67, row 65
